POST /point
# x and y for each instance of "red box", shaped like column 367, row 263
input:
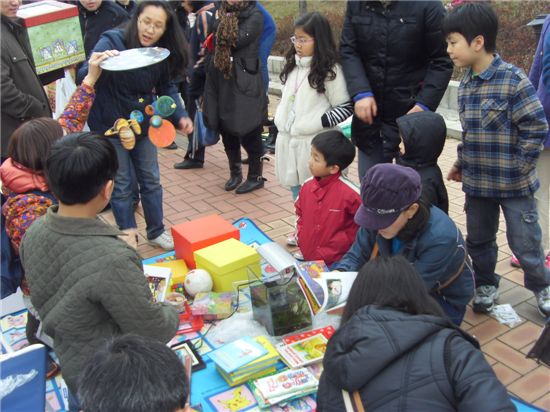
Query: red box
column 200, row 233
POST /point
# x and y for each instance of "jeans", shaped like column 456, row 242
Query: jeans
column 454, row 313
column 543, row 196
column 143, row 159
column 523, row 234
column 74, row 405
column 265, row 49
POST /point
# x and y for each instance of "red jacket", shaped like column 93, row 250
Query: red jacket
column 325, row 209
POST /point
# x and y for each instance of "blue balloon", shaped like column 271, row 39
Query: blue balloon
column 156, row 121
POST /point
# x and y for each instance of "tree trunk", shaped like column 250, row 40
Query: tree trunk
column 302, row 7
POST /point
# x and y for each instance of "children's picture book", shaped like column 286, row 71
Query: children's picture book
column 236, row 354
column 283, row 386
column 213, row 305
column 158, row 279
column 233, row 400
column 313, row 268
column 328, row 292
column 304, row 404
column 327, row 332
column 187, row 352
column 304, row 352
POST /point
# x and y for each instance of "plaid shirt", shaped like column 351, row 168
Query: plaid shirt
column 504, row 128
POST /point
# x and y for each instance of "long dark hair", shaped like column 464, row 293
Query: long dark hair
column 172, row 39
column 30, row 143
column 390, row 282
column 325, row 55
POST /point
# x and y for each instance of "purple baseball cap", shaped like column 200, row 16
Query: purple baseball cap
column 386, row 191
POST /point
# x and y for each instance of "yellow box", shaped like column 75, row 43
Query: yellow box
column 178, row 267
column 227, row 262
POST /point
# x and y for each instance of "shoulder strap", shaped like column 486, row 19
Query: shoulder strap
column 353, row 403
column 374, row 252
column 447, row 365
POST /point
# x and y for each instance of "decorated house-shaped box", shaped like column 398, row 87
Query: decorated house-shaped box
column 53, row 32
column 200, row 233
column 228, row 262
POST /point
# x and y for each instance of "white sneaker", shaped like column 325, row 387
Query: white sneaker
column 164, row 241
column 543, row 302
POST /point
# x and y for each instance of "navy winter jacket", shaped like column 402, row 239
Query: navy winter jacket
column 437, row 253
column 403, row 362
column 119, row 93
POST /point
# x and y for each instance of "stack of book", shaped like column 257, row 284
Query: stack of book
column 245, row 359
column 283, row 387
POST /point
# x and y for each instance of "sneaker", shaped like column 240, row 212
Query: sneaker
column 547, row 260
column 164, row 241
column 291, row 240
column 298, row 255
column 484, row 298
column 515, row 262
column 543, row 301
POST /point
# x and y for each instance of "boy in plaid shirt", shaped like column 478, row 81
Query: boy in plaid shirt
column 504, row 128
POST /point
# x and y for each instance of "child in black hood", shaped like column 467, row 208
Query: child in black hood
column 423, row 135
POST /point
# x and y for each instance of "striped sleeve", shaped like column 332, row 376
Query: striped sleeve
column 337, row 114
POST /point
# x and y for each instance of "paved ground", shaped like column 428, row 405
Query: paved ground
column 189, row 194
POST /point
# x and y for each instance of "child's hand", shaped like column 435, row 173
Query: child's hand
column 416, row 108
column 366, row 109
column 186, row 125
column 94, row 71
column 455, row 174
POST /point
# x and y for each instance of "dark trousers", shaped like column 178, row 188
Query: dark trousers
column 523, row 234
column 251, row 142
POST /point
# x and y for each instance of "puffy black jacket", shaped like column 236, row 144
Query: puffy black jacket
column 424, row 135
column 95, row 23
column 403, row 362
column 396, row 52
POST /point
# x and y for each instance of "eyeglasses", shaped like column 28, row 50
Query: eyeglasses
column 300, row 41
column 152, row 26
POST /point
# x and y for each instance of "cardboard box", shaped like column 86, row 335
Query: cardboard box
column 53, row 32
column 200, row 233
column 228, row 262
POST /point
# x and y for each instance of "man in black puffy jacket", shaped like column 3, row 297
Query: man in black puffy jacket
column 395, row 62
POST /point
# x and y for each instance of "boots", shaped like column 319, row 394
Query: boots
column 254, row 180
column 271, row 139
column 234, row 157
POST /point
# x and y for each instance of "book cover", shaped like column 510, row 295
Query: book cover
column 313, row 268
column 233, row 400
column 158, row 279
column 234, row 355
column 303, row 352
column 303, row 404
column 327, row 332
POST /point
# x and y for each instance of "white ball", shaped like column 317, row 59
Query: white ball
column 197, row 280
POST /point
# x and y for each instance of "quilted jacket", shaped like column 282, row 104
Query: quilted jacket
column 87, row 286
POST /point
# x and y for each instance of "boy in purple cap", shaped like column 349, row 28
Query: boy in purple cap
column 395, row 220
column 504, row 132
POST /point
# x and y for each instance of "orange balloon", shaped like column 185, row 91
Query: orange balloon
column 164, row 135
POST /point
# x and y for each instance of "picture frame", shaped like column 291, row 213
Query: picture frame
column 186, row 348
column 158, row 280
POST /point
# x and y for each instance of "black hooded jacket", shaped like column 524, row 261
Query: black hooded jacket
column 424, row 135
column 403, row 362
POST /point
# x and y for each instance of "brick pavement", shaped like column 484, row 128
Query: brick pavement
column 189, row 194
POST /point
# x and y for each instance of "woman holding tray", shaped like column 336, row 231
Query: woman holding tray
column 121, row 92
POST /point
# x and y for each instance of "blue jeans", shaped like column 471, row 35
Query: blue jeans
column 265, row 49
column 143, row 159
column 365, row 161
column 454, row 313
column 74, row 405
column 523, row 234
